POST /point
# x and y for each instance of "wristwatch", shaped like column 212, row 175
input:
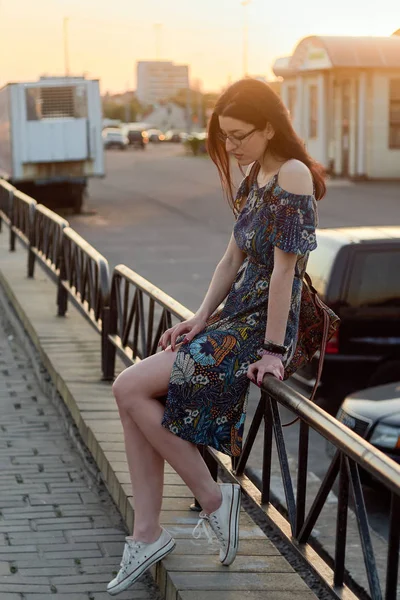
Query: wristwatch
column 274, row 348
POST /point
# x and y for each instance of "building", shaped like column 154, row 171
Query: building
column 168, row 116
column 343, row 94
column 160, row 80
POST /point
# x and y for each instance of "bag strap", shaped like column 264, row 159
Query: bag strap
column 321, row 352
column 252, row 176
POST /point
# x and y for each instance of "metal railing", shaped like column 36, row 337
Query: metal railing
column 140, row 313
column 134, row 334
column 131, row 320
column 46, row 241
column 17, row 211
column 84, row 279
column 6, row 193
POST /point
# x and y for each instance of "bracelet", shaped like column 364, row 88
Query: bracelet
column 264, row 352
column 275, row 348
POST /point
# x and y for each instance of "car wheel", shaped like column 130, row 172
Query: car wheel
column 388, row 372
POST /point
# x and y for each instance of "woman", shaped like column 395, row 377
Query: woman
column 207, row 361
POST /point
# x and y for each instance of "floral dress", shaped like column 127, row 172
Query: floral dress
column 208, row 388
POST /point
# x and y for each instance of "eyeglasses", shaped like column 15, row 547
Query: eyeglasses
column 235, row 140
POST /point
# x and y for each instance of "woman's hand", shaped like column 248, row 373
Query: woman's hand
column 266, row 364
column 191, row 327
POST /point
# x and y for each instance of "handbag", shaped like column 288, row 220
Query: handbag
column 317, row 324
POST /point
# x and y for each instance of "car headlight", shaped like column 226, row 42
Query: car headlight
column 386, row 436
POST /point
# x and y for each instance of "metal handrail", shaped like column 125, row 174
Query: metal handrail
column 84, row 279
column 134, row 327
column 6, row 190
column 134, row 334
column 131, row 326
column 46, row 241
column 17, row 211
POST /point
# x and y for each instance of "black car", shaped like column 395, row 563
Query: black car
column 356, row 271
column 374, row 413
column 138, row 138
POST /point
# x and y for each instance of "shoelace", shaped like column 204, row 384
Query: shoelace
column 126, row 554
column 205, row 525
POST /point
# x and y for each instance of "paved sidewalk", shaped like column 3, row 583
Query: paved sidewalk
column 60, row 534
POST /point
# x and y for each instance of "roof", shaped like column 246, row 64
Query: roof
column 327, row 52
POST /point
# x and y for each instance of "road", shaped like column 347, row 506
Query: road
column 163, row 214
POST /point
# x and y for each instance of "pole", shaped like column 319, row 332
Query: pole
column 66, row 46
column 245, row 4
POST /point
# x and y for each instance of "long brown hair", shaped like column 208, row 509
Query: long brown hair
column 256, row 103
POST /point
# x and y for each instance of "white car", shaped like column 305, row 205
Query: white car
column 114, row 138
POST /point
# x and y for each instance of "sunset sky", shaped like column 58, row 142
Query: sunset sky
column 106, row 38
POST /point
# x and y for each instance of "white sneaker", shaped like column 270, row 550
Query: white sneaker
column 137, row 558
column 224, row 522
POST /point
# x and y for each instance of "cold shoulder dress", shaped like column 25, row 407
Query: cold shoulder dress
column 208, row 388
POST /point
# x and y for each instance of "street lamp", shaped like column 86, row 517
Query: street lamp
column 245, row 4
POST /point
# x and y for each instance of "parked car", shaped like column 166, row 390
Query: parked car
column 173, row 136
column 356, row 272
column 155, row 136
column 374, row 413
column 138, row 138
column 114, row 138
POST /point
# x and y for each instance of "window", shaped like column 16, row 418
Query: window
column 313, row 111
column 394, row 114
column 56, row 102
column 374, row 281
column 292, row 98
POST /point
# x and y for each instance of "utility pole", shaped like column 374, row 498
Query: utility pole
column 245, row 4
column 66, row 46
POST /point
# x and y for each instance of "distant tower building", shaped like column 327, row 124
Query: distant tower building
column 159, row 80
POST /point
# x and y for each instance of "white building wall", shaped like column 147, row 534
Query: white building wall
column 159, row 80
column 337, row 119
column 384, row 162
column 317, row 146
column 353, row 127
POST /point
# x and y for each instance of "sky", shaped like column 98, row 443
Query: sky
column 107, row 37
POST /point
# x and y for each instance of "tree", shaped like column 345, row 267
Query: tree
column 125, row 112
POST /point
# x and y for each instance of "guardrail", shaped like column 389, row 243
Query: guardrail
column 140, row 313
column 84, row 279
column 6, row 192
column 17, row 211
column 131, row 320
column 46, row 241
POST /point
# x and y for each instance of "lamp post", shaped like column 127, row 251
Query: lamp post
column 245, row 4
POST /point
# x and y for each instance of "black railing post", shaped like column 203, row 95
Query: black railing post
column 62, row 294
column 12, row 220
column 302, row 472
column 393, row 550
column 341, row 524
column 31, row 237
column 108, row 350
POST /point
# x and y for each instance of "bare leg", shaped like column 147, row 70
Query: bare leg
column 146, row 469
column 136, row 390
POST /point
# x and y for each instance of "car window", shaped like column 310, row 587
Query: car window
column 320, row 263
column 374, row 279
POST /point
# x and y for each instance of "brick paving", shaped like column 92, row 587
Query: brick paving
column 60, row 535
